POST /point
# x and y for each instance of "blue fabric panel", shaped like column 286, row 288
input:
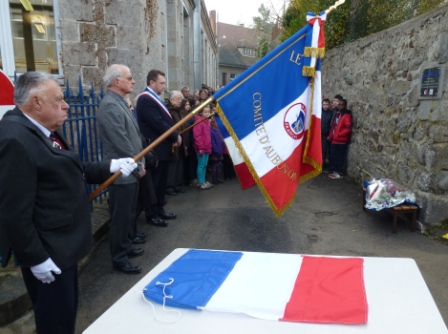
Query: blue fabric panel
column 197, row 275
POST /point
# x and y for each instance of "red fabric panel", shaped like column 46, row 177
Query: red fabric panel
column 244, row 175
column 328, row 290
column 7, row 91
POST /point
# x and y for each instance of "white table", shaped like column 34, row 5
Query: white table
column 398, row 299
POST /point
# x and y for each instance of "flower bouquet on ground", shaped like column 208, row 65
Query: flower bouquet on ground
column 386, row 193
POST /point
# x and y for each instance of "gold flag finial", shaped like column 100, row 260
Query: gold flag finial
column 337, row 4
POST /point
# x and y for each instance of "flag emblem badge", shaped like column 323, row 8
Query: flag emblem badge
column 294, row 121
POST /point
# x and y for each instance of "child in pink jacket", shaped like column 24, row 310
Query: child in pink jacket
column 202, row 146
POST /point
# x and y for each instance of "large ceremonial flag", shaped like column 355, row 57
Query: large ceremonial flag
column 285, row 287
column 6, row 94
column 272, row 116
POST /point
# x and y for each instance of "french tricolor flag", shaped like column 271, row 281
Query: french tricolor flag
column 269, row 117
column 6, row 94
column 283, row 287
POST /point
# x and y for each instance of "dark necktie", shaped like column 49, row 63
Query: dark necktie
column 57, row 143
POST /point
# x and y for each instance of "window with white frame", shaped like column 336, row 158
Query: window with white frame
column 247, row 52
column 28, row 36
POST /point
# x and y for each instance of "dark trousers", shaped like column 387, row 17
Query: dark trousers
column 338, row 156
column 229, row 170
column 147, row 195
column 175, row 173
column 55, row 304
column 123, row 209
column 325, row 148
column 159, row 176
column 191, row 165
column 216, row 165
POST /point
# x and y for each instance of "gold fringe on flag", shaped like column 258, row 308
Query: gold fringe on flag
column 251, row 168
column 308, row 71
column 314, row 52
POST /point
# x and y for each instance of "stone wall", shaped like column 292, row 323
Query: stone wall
column 142, row 34
column 396, row 134
column 96, row 34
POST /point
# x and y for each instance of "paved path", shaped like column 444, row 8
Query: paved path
column 326, row 218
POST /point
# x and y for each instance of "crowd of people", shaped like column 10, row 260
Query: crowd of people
column 202, row 150
column 336, row 122
column 180, row 158
column 43, row 179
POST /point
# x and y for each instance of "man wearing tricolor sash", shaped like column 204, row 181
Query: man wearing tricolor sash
column 154, row 119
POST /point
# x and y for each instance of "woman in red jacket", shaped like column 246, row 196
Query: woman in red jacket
column 339, row 137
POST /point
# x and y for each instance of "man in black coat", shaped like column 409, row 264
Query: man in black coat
column 326, row 118
column 44, row 202
column 154, row 119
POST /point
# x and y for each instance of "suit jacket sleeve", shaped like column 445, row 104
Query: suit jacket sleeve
column 18, row 193
column 96, row 172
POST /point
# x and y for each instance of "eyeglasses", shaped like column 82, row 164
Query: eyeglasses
column 127, row 78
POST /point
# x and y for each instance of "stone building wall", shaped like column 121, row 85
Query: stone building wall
column 142, row 34
column 396, row 134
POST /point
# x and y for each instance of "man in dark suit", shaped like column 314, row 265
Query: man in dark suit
column 154, row 119
column 44, row 203
column 120, row 136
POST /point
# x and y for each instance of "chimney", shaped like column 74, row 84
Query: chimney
column 213, row 21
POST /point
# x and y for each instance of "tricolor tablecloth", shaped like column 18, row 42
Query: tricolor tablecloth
column 284, row 287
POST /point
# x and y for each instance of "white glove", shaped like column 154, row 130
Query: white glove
column 125, row 165
column 43, row 271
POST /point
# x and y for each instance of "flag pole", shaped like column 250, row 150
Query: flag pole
column 191, row 126
column 337, row 4
column 153, row 144
column 194, row 124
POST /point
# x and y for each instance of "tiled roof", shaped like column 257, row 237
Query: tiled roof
column 236, row 37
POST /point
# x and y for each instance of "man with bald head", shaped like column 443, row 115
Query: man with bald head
column 44, row 203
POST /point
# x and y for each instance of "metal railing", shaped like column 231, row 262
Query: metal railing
column 80, row 129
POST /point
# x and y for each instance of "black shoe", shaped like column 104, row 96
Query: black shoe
column 140, row 234
column 157, row 222
column 129, row 269
column 219, row 180
column 134, row 252
column 170, row 192
column 139, row 240
column 167, row 215
column 179, row 190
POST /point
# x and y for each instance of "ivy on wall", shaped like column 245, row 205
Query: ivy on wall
column 355, row 18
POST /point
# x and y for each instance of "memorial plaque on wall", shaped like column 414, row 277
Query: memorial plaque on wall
column 431, row 84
